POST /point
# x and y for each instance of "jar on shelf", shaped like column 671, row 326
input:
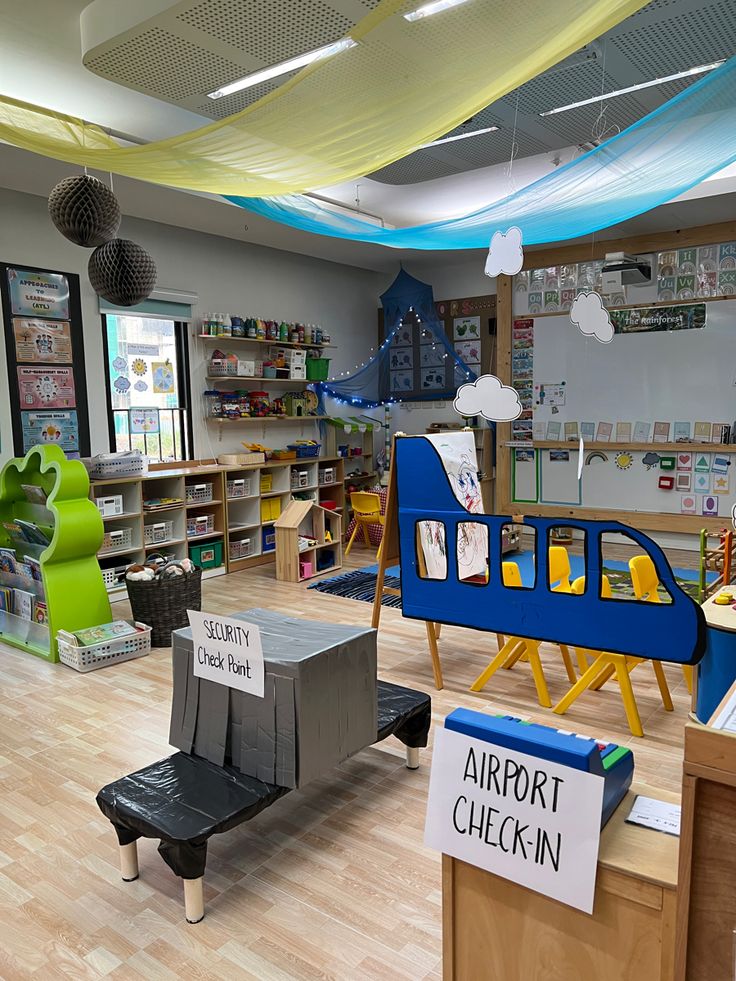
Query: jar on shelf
column 260, row 404
column 213, row 402
column 238, row 327
column 230, row 405
column 244, row 405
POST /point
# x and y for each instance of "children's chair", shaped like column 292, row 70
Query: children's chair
column 366, row 512
column 646, row 585
column 605, row 664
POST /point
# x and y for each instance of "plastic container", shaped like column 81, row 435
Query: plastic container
column 305, row 450
column 108, row 652
column 203, row 524
column 318, row 369
column 239, row 487
column 116, row 538
column 160, row 531
column 207, row 556
column 110, row 506
column 241, row 549
column 129, row 464
column 199, row 492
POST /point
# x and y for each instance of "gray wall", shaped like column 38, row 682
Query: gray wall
column 227, row 276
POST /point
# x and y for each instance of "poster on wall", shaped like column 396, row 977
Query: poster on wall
column 38, row 294
column 163, row 377
column 690, row 317
column 58, row 428
column 466, row 328
column 45, row 341
column 144, row 421
column 46, row 388
column 468, row 352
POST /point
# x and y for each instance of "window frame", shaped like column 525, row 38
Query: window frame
column 185, row 428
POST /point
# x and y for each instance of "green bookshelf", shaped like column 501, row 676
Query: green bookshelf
column 71, row 584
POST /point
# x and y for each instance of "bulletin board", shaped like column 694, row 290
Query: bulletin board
column 44, row 344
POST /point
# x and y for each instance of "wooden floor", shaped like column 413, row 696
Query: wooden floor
column 331, row 882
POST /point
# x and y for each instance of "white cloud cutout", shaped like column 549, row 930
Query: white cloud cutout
column 488, row 397
column 588, row 313
column 505, row 254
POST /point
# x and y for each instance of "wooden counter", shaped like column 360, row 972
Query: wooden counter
column 497, row 930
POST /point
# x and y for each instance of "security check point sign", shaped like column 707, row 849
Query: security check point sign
column 227, row 651
column 526, row 819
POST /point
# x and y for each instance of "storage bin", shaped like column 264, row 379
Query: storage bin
column 246, row 369
column 164, row 603
column 207, row 556
column 199, row 492
column 160, row 531
column 200, row 524
column 306, row 569
column 327, row 476
column 299, row 478
column 305, row 449
column 298, row 372
column 108, row 652
column 241, row 549
column 318, row 369
column 128, row 464
column 269, row 539
column 239, row 487
column 116, row 538
column 113, row 578
column 267, row 482
column 270, row 508
column 219, row 367
column 110, row 506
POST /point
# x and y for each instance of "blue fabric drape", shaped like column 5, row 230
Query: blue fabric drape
column 664, row 154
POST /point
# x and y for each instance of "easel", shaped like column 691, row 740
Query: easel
column 390, row 556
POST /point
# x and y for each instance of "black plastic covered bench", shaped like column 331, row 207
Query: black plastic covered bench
column 183, row 800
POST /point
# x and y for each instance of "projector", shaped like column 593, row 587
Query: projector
column 620, row 269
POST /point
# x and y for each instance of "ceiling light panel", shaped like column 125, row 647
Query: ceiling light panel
column 432, row 8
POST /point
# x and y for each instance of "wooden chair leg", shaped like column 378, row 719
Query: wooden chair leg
column 194, row 899
column 583, row 683
column 687, row 671
column 435, row 655
column 567, row 660
column 664, row 690
column 627, row 696
column 352, row 538
column 540, row 681
column 129, row 861
column 494, row 664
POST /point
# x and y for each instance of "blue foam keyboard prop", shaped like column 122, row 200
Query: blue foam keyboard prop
column 614, row 763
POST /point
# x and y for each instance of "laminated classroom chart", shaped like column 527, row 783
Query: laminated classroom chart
column 46, row 388
column 58, row 427
column 46, row 341
column 38, row 294
column 466, row 328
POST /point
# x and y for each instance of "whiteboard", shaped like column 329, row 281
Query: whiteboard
column 667, row 376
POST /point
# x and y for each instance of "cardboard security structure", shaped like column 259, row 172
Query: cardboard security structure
column 319, row 706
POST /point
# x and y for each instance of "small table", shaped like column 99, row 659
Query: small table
column 494, row 928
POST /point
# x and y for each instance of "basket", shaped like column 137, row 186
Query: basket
column 222, row 367
column 318, row 369
column 116, row 538
column 239, row 487
column 161, row 531
column 303, row 450
column 108, row 652
column 241, row 549
column 201, row 493
column 113, row 578
column 116, row 465
column 203, row 524
column 164, row 603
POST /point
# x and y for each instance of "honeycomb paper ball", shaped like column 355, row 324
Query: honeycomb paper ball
column 84, row 210
column 122, row 272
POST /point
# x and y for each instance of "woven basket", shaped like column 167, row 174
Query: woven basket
column 164, row 603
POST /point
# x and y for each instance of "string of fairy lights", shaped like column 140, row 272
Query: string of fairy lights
column 351, row 374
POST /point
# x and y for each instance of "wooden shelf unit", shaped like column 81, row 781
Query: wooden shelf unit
column 227, row 339
column 236, row 518
column 308, row 520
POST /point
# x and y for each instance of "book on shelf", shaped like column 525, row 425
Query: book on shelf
column 23, row 604
column 6, row 599
column 34, row 493
column 40, row 612
column 104, row 632
column 8, row 561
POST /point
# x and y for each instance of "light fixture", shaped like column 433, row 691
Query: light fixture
column 432, row 8
column 459, row 136
column 284, row 67
column 700, row 70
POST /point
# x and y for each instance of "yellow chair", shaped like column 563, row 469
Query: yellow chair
column 606, row 664
column 646, row 584
column 515, row 648
column 366, row 511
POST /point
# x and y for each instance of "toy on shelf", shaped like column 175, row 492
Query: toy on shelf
column 719, row 560
column 57, row 583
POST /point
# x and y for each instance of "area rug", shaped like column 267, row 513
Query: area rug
column 359, row 585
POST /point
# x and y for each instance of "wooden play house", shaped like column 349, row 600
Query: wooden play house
column 308, row 541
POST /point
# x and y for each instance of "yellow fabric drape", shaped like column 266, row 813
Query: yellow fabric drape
column 404, row 84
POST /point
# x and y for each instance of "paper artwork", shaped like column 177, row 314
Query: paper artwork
column 710, row 506
column 684, row 461
column 505, row 255
column 688, row 504
column 605, row 430
column 466, row 328
column 487, row 396
column 684, row 481
column 701, row 483
column 591, row 317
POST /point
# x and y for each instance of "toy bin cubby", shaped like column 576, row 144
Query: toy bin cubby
column 308, row 541
column 50, row 532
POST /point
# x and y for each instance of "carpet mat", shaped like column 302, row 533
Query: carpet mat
column 359, row 585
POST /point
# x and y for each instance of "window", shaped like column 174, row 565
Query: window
column 519, row 570
column 147, row 378
column 629, row 572
column 472, row 552
column 431, row 550
column 566, row 560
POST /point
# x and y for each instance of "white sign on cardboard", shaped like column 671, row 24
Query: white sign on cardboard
column 227, row 651
column 523, row 818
